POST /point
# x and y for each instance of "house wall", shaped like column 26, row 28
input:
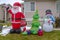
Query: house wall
column 42, row 7
column 27, row 10
column 29, row 14
column 38, row 0
column 1, row 13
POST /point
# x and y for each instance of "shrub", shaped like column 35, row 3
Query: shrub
column 2, row 21
column 57, row 22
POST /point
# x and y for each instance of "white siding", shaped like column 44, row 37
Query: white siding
column 27, row 10
column 44, row 5
column 58, row 7
column 1, row 13
column 27, row 6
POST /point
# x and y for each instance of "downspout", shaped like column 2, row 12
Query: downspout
column 5, row 14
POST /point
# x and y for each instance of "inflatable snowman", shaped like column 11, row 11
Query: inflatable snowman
column 48, row 21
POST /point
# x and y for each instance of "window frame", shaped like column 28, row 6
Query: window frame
column 57, row 3
column 30, row 8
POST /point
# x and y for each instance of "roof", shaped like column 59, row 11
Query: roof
column 38, row 0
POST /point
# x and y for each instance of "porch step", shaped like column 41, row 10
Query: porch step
column 30, row 19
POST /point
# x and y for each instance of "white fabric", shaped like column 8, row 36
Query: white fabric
column 5, row 31
column 22, row 29
column 18, row 9
column 15, row 10
column 27, row 28
column 40, row 27
column 47, row 27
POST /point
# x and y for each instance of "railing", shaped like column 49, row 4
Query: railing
column 30, row 19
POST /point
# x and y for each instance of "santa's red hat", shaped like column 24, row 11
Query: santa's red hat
column 17, row 4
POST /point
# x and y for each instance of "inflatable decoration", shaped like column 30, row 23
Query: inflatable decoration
column 23, row 23
column 35, row 23
column 28, row 32
column 48, row 22
column 18, row 18
column 24, row 33
column 40, row 32
column 35, row 16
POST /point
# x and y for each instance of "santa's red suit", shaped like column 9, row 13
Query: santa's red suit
column 16, row 17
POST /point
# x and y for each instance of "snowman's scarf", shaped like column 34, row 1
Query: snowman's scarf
column 53, row 19
column 51, row 16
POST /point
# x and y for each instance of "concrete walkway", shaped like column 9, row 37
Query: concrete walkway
column 56, row 28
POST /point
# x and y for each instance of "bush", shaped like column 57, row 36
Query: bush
column 8, row 24
column 2, row 21
column 57, row 22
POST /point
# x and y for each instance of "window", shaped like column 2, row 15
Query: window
column 29, row 6
column 26, row 6
column 58, row 6
column 32, row 6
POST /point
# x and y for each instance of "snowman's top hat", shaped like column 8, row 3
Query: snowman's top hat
column 48, row 11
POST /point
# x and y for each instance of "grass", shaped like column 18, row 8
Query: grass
column 55, row 35
column 8, row 24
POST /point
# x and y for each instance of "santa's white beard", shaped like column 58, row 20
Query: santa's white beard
column 20, row 9
column 16, row 10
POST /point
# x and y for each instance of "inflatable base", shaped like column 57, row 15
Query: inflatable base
column 15, row 31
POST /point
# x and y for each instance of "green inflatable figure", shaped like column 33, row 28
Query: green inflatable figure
column 35, row 23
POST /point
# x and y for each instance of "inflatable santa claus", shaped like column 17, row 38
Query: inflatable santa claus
column 18, row 18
